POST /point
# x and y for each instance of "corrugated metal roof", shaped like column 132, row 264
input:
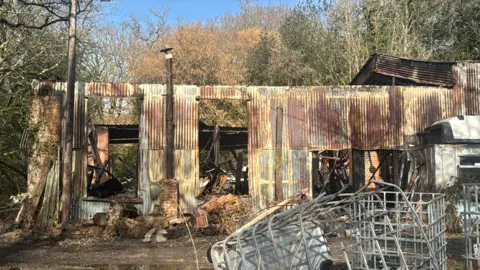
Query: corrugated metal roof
column 379, row 70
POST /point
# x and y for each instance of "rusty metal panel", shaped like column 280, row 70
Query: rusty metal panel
column 368, row 118
column 297, row 168
column 152, row 164
column 48, row 88
column 87, row 208
column 336, row 112
column 427, row 72
column 296, row 119
column 262, row 114
column 467, row 88
column 262, row 174
column 186, row 117
column 124, row 89
column 422, row 107
column 115, row 89
column 317, row 118
column 223, row 92
column 379, row 68
column 187, row 173
column 152, row 119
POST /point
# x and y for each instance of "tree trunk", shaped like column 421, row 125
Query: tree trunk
column 68, row 115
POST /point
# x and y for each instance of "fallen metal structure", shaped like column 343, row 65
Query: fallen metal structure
column 471, row 224
column 389, row 230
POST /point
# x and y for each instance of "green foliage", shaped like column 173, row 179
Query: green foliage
column 128, row 153
column 259, row 61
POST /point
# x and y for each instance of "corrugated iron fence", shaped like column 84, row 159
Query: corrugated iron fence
column 314, row 118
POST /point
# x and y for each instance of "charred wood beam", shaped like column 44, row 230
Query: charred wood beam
column 216, row 147
column 358, row 169
column 316, row 184
column 238, row 174
column 92, row 137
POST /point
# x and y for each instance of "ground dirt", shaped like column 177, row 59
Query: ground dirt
column 32, row 253
column 26, row 252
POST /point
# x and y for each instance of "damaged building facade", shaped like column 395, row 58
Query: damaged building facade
column 386, row 109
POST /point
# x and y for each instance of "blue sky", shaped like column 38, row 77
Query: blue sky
column 188, row 10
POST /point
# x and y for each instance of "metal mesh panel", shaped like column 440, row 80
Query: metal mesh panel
column 471, row 224
column 398, row 230
column 389, row 230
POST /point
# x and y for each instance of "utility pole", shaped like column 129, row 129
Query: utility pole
column 170, row 136
column 68, row 115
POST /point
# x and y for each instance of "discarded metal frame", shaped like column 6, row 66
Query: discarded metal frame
column 390, row 229
column 471, row 224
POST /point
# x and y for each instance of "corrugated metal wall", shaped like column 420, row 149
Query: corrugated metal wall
column 315, row 118
column 467, row 84
column 333, row 118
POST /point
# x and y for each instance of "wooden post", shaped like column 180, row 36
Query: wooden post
column 216, row 147
column 68, row 115
column 396, row 167
column 238, row 175
column 315, row 176
column 278, row 155
column 358, row 169
column 170, row 136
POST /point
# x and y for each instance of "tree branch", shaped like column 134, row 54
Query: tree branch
column 27, row 26
column 19, row 172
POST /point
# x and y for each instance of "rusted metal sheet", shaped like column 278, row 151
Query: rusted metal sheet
column 152, row 123
column 315, row 118
column 336, row 110
column 369, row 117
column 223, row 92
column 48, row 88
column 86, row 208
column 297, row 168
column 262, row 110
column 466, row 90
column 379, row 69
column 152, row 164
column 186, row 117
column 261, row 176
column 334, row 118
column 187, row 173
column 115, row 89
column 296, row 119
column 422, row 106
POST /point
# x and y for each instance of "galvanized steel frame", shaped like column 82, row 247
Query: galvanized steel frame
column 471, row 224
column 295, row 238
